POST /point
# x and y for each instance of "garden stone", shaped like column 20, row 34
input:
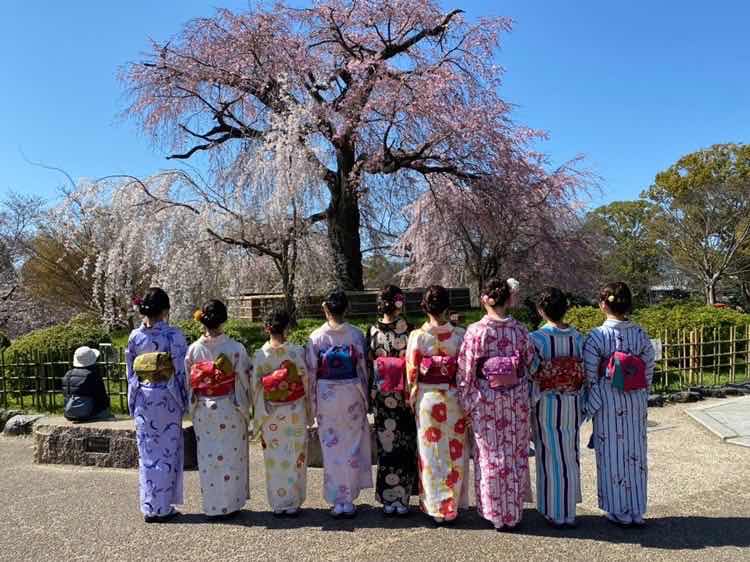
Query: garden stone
column 655, row 401
column 21, row 424
column 715, row 393
column 685, row 396
column 5, row 415
column 733, row 391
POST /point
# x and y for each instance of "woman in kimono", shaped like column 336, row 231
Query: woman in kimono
column 394, row 420
column 220, row 373
column 492, row 376
column 557, row 403
column 338, row 395
column 281, row 415
column 619, row 362
column 441, row 421
column 157, row 398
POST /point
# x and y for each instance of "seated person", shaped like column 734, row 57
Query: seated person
column 86, row 398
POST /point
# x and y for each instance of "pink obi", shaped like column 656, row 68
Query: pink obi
column 389, row 372
column 438, row 369
column 626, row 371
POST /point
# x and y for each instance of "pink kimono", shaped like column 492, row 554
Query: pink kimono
column 499, row 416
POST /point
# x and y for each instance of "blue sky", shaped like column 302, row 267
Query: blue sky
column 630, row 85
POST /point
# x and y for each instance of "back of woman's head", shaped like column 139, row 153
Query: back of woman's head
column 336, row 302
column 277, row 321
column 498, row 290
column 617, row 298
column 553, row 302
column 435, row 300
column 154, row 303
column 391, row 300
column 213, row 314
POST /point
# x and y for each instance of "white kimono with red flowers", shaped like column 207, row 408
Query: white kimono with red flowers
column 443, row 458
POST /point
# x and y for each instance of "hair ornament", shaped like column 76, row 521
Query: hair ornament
column 611, row 298
column 198, row 315
column 514, row 285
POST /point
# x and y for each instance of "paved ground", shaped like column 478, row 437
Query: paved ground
column 728, row 419
column 699, row 494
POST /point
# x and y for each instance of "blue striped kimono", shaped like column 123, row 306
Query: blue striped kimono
column 556, row 421
column 619, row 421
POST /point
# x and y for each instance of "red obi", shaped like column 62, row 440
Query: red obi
column 438, row 369
column 212, row 378
column 626, row 371
column 389, row 372
column 561, row 374
column 501, row 372
column 284, row 384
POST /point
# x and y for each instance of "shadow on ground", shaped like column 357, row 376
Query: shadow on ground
column 670, row 533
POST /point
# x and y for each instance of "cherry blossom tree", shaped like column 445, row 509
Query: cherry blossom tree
column 525, row 225
column 396, row 95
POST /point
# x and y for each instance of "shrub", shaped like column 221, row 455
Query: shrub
column 63, row 339
column 4, row 341
column 584, row 318
column 674, row 317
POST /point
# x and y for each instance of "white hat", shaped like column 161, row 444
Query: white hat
column 85, row 357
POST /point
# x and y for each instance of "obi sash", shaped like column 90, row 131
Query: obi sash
column 337, row 363
column 154, row 367
column 438, row 369
column 561, row 374
column 500, row 372
column 627, row 372
column 213, row 378
column 284, row 384
column 389, row 373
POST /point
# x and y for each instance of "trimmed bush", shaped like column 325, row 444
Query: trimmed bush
column 63, row 338
column 584, row 318
column 656, row 319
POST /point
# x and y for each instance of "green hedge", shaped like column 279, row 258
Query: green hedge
column 63, row 338
column 670, row 317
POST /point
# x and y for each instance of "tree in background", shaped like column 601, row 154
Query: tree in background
column 524, row 225
column 704, row 213
column 395, row 95
column 627, row 244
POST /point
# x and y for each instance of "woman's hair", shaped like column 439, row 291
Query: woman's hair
column 435, row 300
column 336, row 302
column 154, row 303
column 617, row 297
column 497, row 289
column 213, row 314
column 553, row 302
column 277, row 321
column 387, row 300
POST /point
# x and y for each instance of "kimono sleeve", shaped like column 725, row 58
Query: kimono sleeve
column 189, row 361
column 178, row 349
column 297, row 354
column 468, row 357
column 311, row 361
column 413, row 358
column 243, row 383
column 364, row 377
column 592, row 356
column 133, row 384
column 256, row 397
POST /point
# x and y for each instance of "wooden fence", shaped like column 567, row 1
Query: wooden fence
column 704, row 356
column 363, row 303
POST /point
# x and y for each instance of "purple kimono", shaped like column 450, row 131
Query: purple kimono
column 157, row 410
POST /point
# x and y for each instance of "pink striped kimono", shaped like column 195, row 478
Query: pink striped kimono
column 500, row 420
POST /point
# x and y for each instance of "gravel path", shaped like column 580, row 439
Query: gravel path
column 699, row 500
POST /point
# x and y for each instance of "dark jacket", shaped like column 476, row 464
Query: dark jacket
column 86, row 382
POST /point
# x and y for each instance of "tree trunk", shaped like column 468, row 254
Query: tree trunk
column 343, row 226
column 709, row 290
column 746, row 294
